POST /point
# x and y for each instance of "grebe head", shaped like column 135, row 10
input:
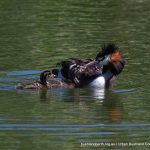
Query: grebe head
column 44, row 76
column 107, row 48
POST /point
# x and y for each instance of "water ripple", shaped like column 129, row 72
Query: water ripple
column 74, row 125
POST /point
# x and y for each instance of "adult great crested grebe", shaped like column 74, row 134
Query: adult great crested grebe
column 97, row 73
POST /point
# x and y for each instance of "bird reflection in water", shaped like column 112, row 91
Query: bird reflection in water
column 113, row 107
column 105, row 103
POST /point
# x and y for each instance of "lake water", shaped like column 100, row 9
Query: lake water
column 37, row 34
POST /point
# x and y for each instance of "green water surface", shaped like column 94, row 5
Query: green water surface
column 37, row 34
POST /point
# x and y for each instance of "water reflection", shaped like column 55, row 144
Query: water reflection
column 106, row 103
column 113, row 107
column 98, row 93
column 75, row 94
